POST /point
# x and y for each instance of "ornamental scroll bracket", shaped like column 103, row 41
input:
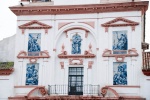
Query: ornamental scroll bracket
column 33, row 59
column 125, row 22
column 120, row 57
column 87, row 54
column 31, row 25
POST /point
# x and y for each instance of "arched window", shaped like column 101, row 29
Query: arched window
column 76, row 44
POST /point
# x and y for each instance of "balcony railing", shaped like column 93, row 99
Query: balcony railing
column 146, row 63
column 146, row 60
column 64, row 90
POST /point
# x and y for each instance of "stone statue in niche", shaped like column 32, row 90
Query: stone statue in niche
column 76, row 44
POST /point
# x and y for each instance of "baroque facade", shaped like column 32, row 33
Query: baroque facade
column 91, row 49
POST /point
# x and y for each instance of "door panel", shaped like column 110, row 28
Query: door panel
column 75, row 81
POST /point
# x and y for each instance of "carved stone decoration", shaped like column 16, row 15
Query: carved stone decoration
column 73, row 28
column 87, row 54
column 62, row 65
column 33, row 59
column 120, row 57
column 63, row 47
column 80, row 9
column 105, row 89
column 90, row 47
column 75, row 61
column 41, row 90
column 29, row 26
column 126, row 22
column 90, row 63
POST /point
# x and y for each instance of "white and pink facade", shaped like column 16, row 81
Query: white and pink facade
column 88, row 48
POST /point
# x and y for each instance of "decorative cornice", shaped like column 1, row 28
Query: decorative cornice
column 33, row 59
column 29, row 26
column 80, row 9
column 126, row 22
column 87, row 53
column 120, row 57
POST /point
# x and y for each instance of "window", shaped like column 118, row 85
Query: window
column 119, row 73
column 120, row 42
column 34, row 44
column 75, row 81
column 76, row 44
column 32, row 73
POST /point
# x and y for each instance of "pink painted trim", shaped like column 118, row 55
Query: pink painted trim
column 43, row 54
column 62, row 65
column 112, row 23
column 89, row 23
column 41, row 89
column 108, row 53
column 75, row 28
column 33, row 59
column 60, row 25
column 28, row 25
column 124, row 86
column 90, row 63
column 106, row 88
column 71, row 61
column 80, row 9
column 87, row 54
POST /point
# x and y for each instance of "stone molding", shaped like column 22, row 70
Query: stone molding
column 105, row 89
column 90, row 63
column 80, row 9
column 28, row 26
column 75, row 63
column 33, row 59
column 87, row 53
column 127, row 23
column 120, row 57
column 41, row 90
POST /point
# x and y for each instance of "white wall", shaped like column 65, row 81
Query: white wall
column 50, row 71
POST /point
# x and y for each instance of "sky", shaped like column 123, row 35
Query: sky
column 8, row 20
